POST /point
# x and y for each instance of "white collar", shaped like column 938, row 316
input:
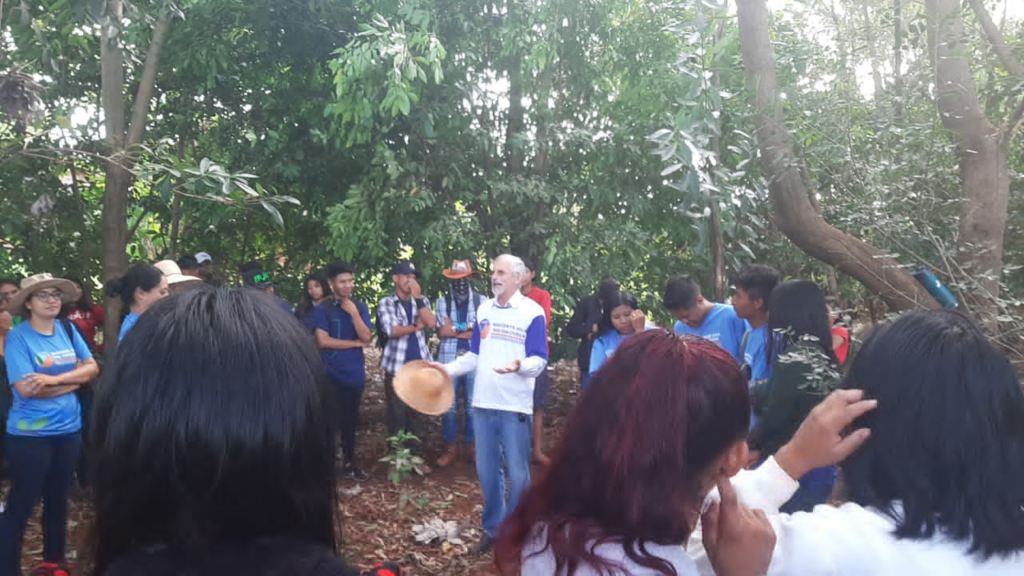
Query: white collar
column 513, row 301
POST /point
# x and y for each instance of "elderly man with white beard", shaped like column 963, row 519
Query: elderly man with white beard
column 508, row 350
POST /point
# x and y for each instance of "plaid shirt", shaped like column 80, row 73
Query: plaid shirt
column 449, row 346
column 391, row 314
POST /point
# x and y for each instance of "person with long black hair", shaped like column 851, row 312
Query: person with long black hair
column 214, row 445
column 622, row 318
column 316, row 290
column 803, row 367
column 936, row 488
column 141, row 287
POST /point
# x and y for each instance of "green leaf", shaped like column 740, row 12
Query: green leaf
column 274, row 213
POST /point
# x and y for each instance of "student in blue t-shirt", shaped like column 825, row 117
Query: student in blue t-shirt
column 752, row 289
column 700, row 317
column 141, row 287
column 342, row 328
column 624, row 318
column 47, row 360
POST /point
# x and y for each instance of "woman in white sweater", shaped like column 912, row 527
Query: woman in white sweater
column 664, row 421
column 938, row 489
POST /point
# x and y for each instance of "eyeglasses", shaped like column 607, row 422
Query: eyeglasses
column 44, row 296
column 7, row 296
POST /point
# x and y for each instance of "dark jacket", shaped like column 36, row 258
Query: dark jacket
column 587, row 313
column 802, row 377
column 260, row 558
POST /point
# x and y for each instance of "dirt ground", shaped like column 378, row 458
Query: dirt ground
column 374, row 528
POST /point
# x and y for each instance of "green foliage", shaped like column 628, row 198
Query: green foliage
column 379, row 74
column 402, row 462
column 580, row 134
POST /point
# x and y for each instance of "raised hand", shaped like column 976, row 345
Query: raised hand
column 739, row 541
column 509, row 368
column 349, row 306
column 638, row 320
column 820, row 440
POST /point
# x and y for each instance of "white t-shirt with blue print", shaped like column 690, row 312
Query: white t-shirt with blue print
column 27, row 352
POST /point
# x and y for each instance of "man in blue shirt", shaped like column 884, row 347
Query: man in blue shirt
column 699, row 317
column 752, row 290
column 342, row 330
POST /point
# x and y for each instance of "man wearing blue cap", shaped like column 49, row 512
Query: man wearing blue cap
column 403, row 317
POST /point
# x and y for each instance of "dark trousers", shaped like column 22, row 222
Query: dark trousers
column 41, row 467
column 5, row 405
column 349, row 400
column 84, row 470
column 400, row 416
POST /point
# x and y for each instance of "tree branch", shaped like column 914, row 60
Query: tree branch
column 146, row 84
column 1015, row 118
column 138, row 221
column 956, row 91
column 995, row 39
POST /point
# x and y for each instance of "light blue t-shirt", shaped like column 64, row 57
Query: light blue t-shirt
column 722, row 327
column 126, row 326
column 27, row 352
column 756, row 354
column 606, row 344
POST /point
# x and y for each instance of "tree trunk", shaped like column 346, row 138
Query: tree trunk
column 514, row 156
column 897, row 60
column 793, row 212
column 715, row 225
column 876, row 63
column 118, row 179
column 846, row 73
column 717, row 251
column 175, row 226
column 117, row 187
column 982, row 151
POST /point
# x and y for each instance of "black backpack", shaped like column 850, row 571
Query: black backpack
column 382, row 336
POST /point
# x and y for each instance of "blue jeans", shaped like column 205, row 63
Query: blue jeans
column 584, row 381
column 41, row 467
column 815, row 488
column 450, row 420
column 502, row 439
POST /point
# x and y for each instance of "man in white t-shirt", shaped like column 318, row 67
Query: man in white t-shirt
column 508, row 351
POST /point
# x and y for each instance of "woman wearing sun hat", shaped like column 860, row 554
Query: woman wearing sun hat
column 47, row 360
column 177, row 282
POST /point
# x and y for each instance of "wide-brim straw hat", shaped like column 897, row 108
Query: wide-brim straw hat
column 460, row 269
column 35, row 283
column 173, row 273
column 425, row 387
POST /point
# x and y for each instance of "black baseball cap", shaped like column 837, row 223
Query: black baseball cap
column 405, row 267
column 257, row 278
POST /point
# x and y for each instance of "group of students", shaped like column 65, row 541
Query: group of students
column 786, row 338
column 213, row 440
column 51, row 336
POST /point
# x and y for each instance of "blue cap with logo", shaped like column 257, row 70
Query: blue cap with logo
column 405, row 267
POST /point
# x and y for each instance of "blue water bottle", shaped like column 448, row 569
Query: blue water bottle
column 935, row 287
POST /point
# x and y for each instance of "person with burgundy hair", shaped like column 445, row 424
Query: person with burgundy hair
column 663, row 422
